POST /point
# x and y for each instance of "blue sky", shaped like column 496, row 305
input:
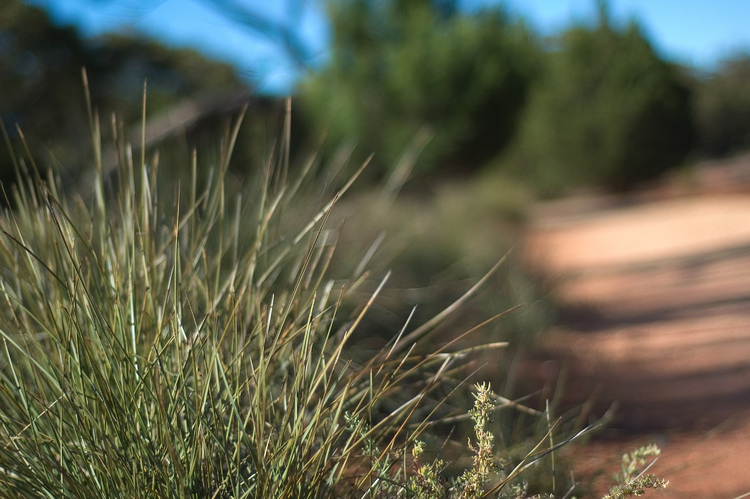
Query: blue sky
column 692, row 32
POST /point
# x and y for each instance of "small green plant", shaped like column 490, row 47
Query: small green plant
column 490, row 475
column 473, row 481
column 631, row 480
column 429, row 481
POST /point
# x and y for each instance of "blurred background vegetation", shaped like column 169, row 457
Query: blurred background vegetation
column 471, row 115
column 432, row 90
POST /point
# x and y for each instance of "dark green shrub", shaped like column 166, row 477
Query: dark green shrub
column 723, row 107
column 398, row 68
column 190, row 96
column 609, row 111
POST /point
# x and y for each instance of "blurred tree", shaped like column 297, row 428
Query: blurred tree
column 35, row 58
column 42, row 89
column 608, row 111
column 723, row 107
column 399, row 67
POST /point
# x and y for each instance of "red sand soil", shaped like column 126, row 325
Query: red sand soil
column 654, row 324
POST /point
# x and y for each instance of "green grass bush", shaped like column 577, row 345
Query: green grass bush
column 186, row 339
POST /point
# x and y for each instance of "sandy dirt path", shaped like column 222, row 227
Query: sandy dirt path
column 654, row 291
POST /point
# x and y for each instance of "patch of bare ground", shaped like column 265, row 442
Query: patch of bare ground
column 654, row 325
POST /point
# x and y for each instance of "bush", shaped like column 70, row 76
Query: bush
column 723, row 108
column 41, row 89
column 422, row 74
column 608, row 112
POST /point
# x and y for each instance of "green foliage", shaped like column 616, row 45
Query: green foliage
column 608, row 112
column 631, row 480
column 472, row 482
column 399, row 70
column 429, row 482
column 40, row 77
column 723, row 107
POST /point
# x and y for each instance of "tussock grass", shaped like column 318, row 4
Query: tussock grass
column 184, row 340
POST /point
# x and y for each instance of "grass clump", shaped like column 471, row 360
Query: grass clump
column 183, row 342
column 186, row 339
